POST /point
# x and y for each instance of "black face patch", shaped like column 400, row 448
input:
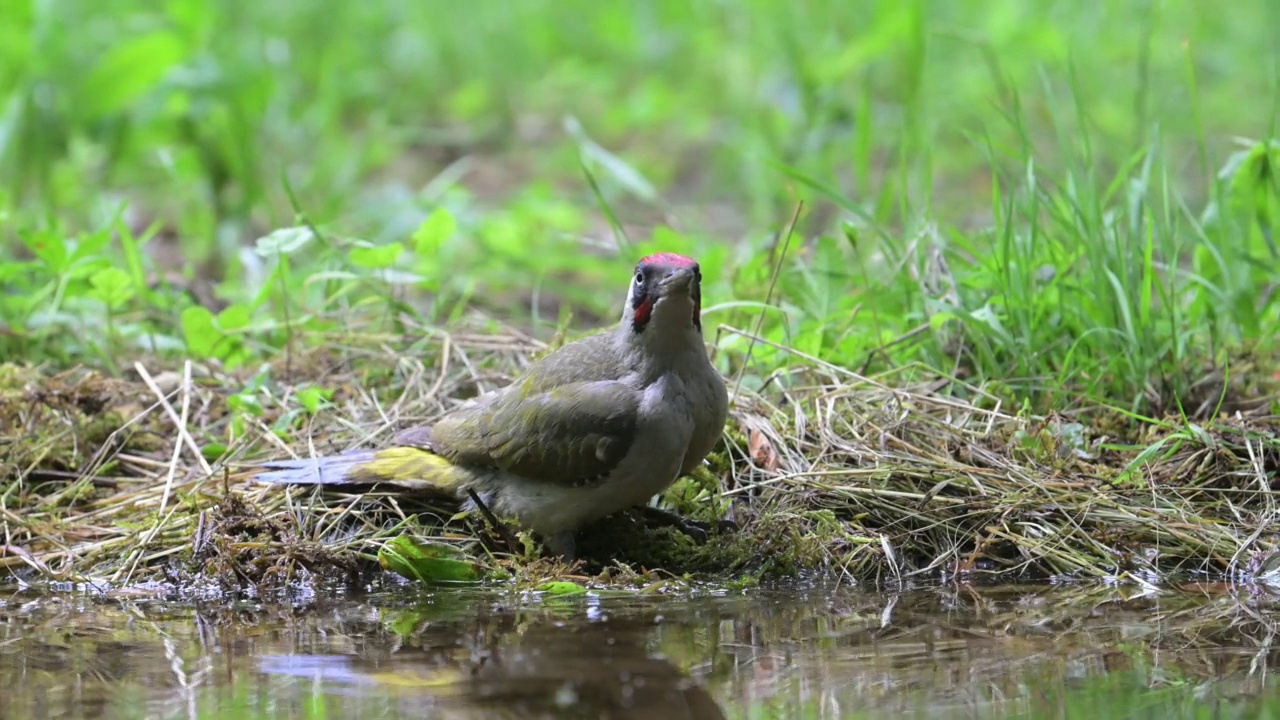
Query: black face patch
column 695, row 292
column 644, row 293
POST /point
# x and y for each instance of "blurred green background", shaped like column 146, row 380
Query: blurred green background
column 1069, row 202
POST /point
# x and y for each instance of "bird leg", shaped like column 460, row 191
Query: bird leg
column 562, row 543
column 498, row 526
column 696, row 529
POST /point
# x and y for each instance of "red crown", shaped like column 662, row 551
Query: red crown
column 666, row 258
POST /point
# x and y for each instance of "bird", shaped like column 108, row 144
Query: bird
column 594, row 427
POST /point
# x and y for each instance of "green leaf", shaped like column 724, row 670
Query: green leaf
column 128, row 71
column 400, row 277
column 213, row 451
column 208, row 336
column 284, row 241
column 939, row 319
column 246, row 402
column 375, row 257
column 562, row 588
column 195, row 18
column 234, row 317
column 313, row 398
column 50, row 247
column 621, row 171
column 324, row 276
column 17, row 272
column 427, row 562
column 432, row 234
column 113, row 286
column 90, row 246
column 199, row 331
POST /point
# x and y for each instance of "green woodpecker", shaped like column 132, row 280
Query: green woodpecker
column 599, row 425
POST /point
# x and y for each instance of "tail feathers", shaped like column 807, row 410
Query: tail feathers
column 332, row 470
column 407, row 467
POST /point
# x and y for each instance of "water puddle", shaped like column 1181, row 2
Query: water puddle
column 945, row 651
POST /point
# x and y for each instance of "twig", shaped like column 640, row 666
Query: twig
column 177, row 419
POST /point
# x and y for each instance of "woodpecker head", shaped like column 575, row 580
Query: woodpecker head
column 666, row 293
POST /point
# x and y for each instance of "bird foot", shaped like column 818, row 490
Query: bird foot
column 699, row 530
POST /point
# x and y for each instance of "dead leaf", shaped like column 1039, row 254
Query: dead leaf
column 761, row 450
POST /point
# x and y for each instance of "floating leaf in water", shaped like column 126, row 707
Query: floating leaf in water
column 427, row 562
column 562, row 588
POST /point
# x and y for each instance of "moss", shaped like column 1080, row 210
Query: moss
column 61, row 422
column 697, row 496
column 242, row 547
column 764, row 548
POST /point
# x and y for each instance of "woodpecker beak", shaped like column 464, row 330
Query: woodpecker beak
column 678, row 280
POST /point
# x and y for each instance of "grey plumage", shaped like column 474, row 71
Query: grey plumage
column 596, row 426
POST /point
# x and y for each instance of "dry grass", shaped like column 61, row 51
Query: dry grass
column 822, row 469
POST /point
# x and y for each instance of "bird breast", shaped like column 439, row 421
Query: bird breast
column 665, row 425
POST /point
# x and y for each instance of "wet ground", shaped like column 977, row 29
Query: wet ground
column 400, row 651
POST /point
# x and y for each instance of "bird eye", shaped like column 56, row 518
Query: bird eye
column 639, row 278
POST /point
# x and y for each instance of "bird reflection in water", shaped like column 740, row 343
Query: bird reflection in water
column 513, row 667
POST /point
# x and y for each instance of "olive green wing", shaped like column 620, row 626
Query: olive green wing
column 566, row 435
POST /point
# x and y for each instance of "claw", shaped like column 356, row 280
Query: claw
column 698, row 530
